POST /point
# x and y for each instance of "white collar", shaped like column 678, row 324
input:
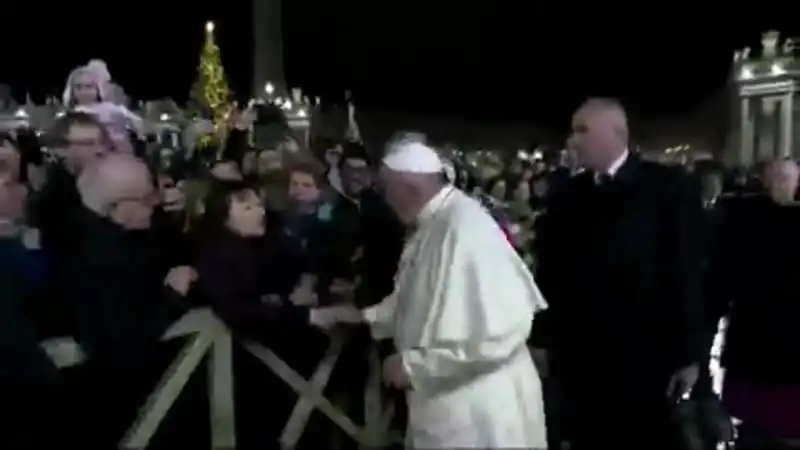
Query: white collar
column 615, row 166
column 435, row 203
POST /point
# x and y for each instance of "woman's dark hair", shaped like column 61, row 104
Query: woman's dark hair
column 217, row 205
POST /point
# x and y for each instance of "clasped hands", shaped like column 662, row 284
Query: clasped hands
column 330, row 316
column 327, row 317
column 395, row 374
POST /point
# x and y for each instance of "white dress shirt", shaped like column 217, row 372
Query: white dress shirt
column 614, row 167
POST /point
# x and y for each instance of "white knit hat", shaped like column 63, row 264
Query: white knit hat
column 96, row 77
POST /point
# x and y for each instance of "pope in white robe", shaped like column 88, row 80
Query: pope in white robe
column 460, row 316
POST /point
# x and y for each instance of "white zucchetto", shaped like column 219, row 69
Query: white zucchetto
column 413, row 157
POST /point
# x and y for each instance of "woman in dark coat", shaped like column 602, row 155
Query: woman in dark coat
column 243, row 283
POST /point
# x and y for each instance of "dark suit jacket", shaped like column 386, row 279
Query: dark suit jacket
column 56, row 211
column 23, row 359
column 382, row 237
column 343, row 238
column 620, row 265
column 754, row 281
column 372, row 226
column 234, row 274
column 119, row 285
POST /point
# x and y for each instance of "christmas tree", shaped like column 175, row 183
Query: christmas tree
column 210, row 95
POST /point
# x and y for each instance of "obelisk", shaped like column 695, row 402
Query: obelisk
column 268, row 47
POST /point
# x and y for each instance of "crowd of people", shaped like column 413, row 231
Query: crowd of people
column 635, row 262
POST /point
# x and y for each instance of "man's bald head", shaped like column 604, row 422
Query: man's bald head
column 599, row 133
column 781, row 179
column 115, row 185
column 609, row 111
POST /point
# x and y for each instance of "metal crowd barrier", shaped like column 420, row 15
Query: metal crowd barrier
column 717, row 372
column 207, row 334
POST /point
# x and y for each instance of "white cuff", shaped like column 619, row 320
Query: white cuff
column 370, row 314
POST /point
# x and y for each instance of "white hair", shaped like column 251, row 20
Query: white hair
column 111, row 179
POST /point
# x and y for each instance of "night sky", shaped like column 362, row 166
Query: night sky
column 502, row 60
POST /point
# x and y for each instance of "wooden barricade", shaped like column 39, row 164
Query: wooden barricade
column 205, row 334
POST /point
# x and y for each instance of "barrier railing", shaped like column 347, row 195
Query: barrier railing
column 206, row 334
column 717, row 372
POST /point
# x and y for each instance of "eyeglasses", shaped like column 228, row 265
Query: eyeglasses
column 149, row 200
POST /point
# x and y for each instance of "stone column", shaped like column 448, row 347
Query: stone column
column 767, row 129
column 746, row 150
column 795, row 142
column 268, row 46
column 787, row 109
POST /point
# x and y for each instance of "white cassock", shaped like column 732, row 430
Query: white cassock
column 460, row 316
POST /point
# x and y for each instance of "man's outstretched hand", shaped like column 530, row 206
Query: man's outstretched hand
column 328, row 317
